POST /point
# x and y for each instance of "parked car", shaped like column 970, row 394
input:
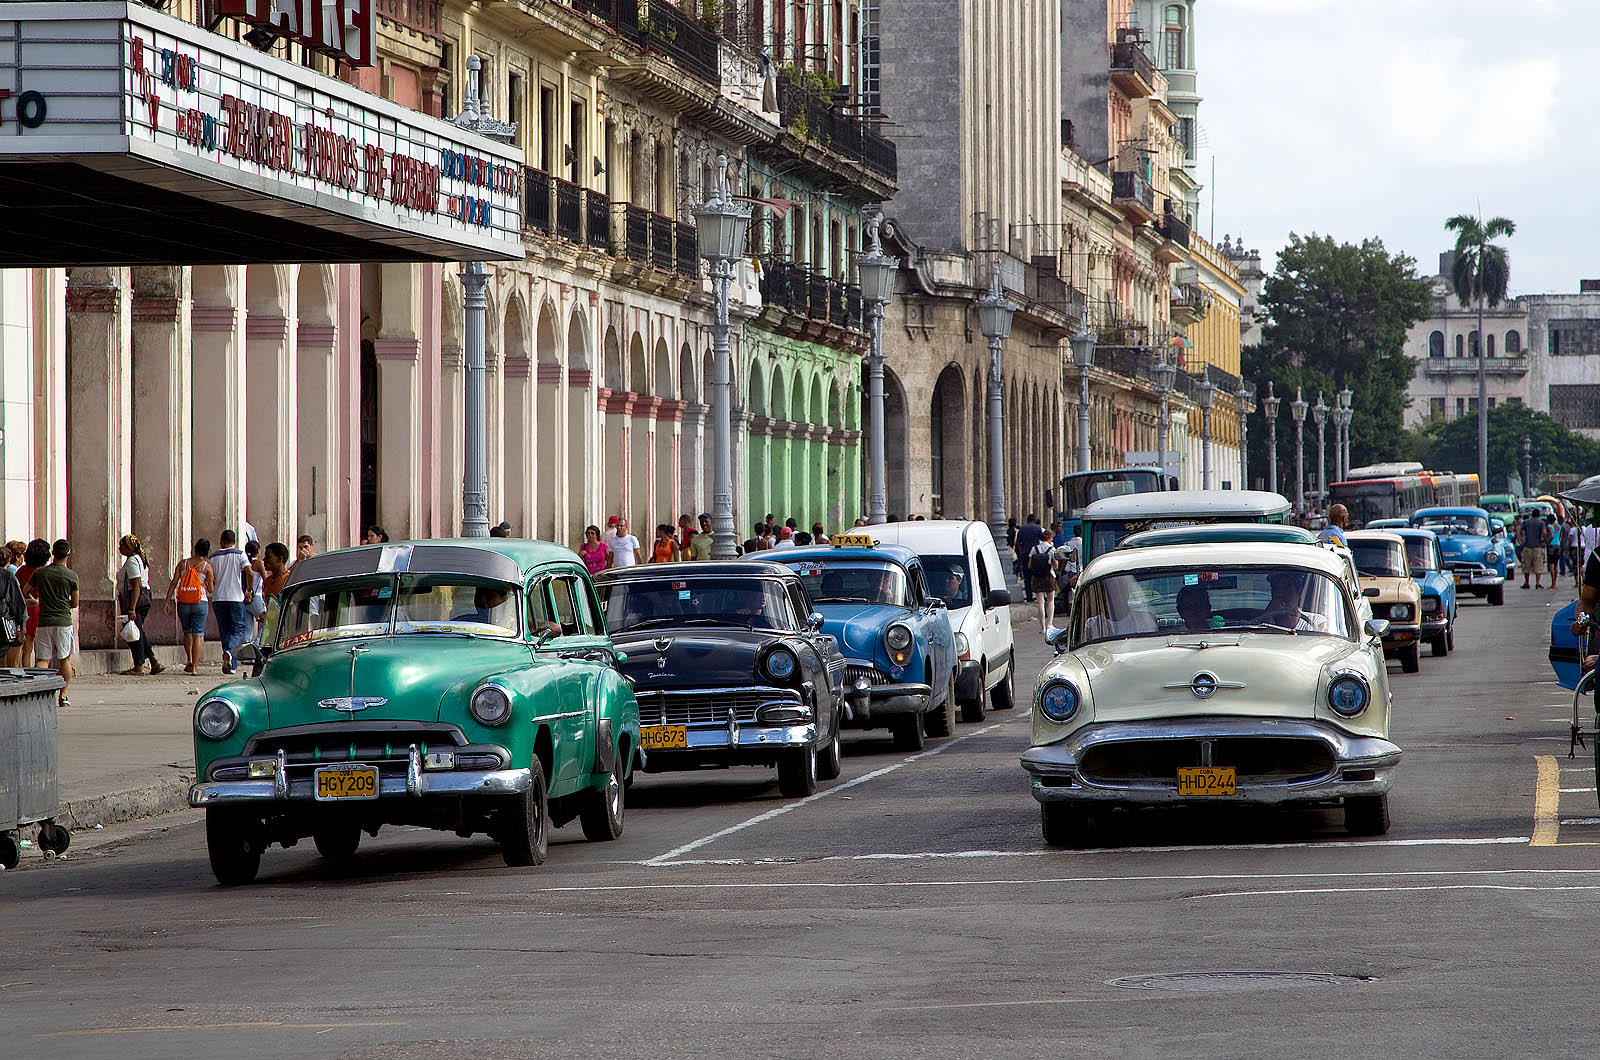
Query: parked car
column 1106, row 522
column 467, row 686
column 1438, row 587
column 730, row 667
column 899, row 650
column 1501, row 506
column 1471, row 552
column 1386, row 581
column 963, row 569
column 1504, row 542
column 1386, row 524
column 1213, row 673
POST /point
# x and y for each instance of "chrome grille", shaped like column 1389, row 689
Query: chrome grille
column 1257, row 759
column 871, row 673
column 707, row 706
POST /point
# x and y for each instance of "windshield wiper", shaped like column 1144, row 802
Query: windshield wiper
column 1255, row 627
column 650, row 623
column 840, row 600
column 679, row 620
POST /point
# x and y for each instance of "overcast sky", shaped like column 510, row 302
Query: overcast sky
column 1355, row 118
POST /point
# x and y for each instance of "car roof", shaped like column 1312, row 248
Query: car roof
column 1204, row 533
column 498, row 558
column 740, row 568
column 1230, row 553
column 899, row 554
column 1445, row 509
column 1245, row 503
column 1412, row 531
column 1375, row 535
column 922, row 536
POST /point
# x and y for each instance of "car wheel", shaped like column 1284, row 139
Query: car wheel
column 1004, row 695
column 337, row 842
column 1410, row 658
column 10, row 851
column 1366, row 814
column 53, row 838
column 524, row 832
column 234, row 844
column 797, row 773
column 602, row 810
column 1064, row 825
column 909, row 733
column 829, row 762
column 942, row 722
column 1440, row 644
column 972, row 710
column 1497, row 596
column 1450, row 636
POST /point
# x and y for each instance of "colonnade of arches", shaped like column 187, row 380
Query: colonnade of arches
column 803, row 446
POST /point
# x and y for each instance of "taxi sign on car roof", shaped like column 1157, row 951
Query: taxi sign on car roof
column 853, row 541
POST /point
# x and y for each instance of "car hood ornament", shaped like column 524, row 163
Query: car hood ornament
column 662, row 643
column 352, row 703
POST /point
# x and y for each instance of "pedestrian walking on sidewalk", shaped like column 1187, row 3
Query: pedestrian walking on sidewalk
column 275, row 567
column 56, row 589
column 13, row 611
column 133, row 601
column 36, row 555
column 192, row 583
column 255, row 604
column 16, row 550
column 233, row 591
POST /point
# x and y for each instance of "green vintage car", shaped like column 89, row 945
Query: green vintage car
column 466, row 685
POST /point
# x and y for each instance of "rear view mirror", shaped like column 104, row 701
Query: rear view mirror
column 1055, row 637
column 1377, row 627
column 815, row 620
column 247, row 653
column 997, row 598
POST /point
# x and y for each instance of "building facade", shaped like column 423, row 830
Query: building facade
column 1446, row 349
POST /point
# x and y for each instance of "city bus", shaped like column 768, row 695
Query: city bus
column 1083, row 488
column 1394, row 491
column 1107, row 522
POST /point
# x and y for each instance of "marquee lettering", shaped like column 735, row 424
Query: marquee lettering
column 344, row 29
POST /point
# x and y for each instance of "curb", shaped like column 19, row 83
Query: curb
column 165, row 796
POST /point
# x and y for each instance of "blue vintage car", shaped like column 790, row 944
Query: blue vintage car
column 1386, row 524
column 1471, row 552
column 899, row 650
column 1438, row 585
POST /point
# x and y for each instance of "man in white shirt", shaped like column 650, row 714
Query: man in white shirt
column 231, row 571
column 623, row 545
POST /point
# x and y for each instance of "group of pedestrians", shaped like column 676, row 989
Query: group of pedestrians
column 38, row 596
column 1551, row 544
column 616, row 546
column 233, row 584
column 1048, row 561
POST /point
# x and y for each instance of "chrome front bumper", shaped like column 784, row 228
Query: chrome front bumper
column 1475, row 577
column 1362, row 765
column 1399, row 636
column 417, row 783
column 733, row 737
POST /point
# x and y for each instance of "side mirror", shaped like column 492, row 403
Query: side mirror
column 248, row 654
column 937, row 603
column 1056, row 638
column 1377, row 627
column 620, row 656
column 1372, row 590
column 996, row 598
column 1419, row 572
column 544, row 634
column 814, row 620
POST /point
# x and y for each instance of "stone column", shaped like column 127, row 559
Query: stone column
column 399, row 430
column 161, row 418
column 692, row 457
column 218, row 410
column 669, row 460
column 272, row 444
column 585, row 464
column 316, row 425
column 452, row 427
column 48, row 394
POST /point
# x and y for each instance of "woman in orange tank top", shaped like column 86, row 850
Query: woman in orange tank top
column 666, row 546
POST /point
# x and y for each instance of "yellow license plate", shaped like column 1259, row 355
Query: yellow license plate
column 1207, row 780
column 337, row 783
column 664, row 737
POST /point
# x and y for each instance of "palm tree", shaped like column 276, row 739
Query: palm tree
column 1480, row 274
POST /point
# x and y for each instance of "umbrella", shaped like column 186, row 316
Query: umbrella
column 1588, row 493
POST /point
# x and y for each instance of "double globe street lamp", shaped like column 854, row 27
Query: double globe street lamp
column 1083, row 344
column 877, row 271
column 1269, row 411
column 1164, row 374
column 1319, row 413
column 1244, row 396
column 1343, row 417
column 1204, row 395
column 994, row 320
column 1297, row 412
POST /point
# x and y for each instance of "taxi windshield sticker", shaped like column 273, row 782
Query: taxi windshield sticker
column 683, row 594
column 1191, row 579
column 808, row 570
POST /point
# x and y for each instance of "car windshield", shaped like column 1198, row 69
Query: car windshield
column 1419, row 554
column 404, row 604
column 1379, row 559
column 1454, row 524
column 852, row 581
column 641, row 604
column 1175, row 600
column 948, row 579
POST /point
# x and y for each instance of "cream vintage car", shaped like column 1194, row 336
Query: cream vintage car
column 1213, row 673
column 1386, row 578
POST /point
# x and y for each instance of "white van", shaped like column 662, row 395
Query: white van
column 963, row 568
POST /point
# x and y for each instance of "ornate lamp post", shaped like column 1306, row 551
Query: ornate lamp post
column 721, row 224
column 475, row 117
column 1204, row 395
column 877, row 271
column 1319, row 414
column 1269, row 410
column 1346, row 414
column 1083, row 356
column 994, row 320
column 1297, row 412
column 1527, row 467
column 1244, row 396
column 1164, row 373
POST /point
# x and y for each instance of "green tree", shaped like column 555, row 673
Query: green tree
column 1480, row 275
column 1338, row 314
column 1452, row 446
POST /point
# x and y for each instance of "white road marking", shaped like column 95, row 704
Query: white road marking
column 1580, row 820
column 1566, row 791
column 1382, row 890
column 960, row 855
column 669, row 856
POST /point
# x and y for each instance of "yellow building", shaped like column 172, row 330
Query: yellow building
column 1206, row 300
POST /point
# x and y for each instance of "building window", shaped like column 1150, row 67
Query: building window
column 1436, row 344
column 1186, row 137
column 1461, row 407
column 1491, row 403
column 1513, row 342
column 1573, row 338
column 1460, row 346
column 1174, row 39
column 1472, row 406
column 514, row 101
column 578, row 144
column 1472, row 344
column 869, row 58
column 1513, row 400
column 1576, row 405
column 547, row 128
column 1436, row 408
column 1489, row 340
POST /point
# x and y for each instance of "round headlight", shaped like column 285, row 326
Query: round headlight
column 1058, row 701
column 963, row 649
column 1430, row 604
column 490, row 705
column 1401, row 612
column 1491, row 556
column 216, row 718
column 898, row 637
column 1348, row 695
column 780, row 664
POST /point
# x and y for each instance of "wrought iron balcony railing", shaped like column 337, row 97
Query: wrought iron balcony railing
column 665, row 29
column 795, row 289
column 636, row 233
column 813, row 119
column 536, row 199
column 661, row 255
column 1131, row 186
column 569, row 211
column 688, row 250
column 597, row 220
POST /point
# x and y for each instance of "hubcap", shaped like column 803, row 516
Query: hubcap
column 614, row 796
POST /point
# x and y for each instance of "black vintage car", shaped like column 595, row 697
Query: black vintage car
column 730, row 667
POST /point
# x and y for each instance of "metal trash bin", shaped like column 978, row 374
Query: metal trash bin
column 29, row 762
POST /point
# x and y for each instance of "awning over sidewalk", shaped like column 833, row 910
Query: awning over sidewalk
column 129, row 137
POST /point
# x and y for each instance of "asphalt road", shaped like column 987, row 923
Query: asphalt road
column 910, row 909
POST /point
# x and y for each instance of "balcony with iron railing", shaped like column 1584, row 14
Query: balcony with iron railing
column 1132, row 71
column 424, row 16
column 1447, row 366
column 569, row 211
column 1174, row 230
column 1131, row 193
column 1189, row 304
column 597, row 220
column 536, row 191
column 795, row 289
column 814, row 120
column 582, row 216
column 687, row 254
column 664, row 29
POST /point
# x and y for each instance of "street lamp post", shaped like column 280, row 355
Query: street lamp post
column 720, row 225
column 1319, row 414
column 1527, row 467
column 1204, row 394
column 1346, row 414
column 877, row 271
column 994, row 320
column 1297, row 412
column 475, row 117
column 1269, row 410
column 1083, row 356
column 1165, row 374
column 1244, row 395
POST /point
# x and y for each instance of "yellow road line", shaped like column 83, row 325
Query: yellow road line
column 274, row 1025
column 1546, row 803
